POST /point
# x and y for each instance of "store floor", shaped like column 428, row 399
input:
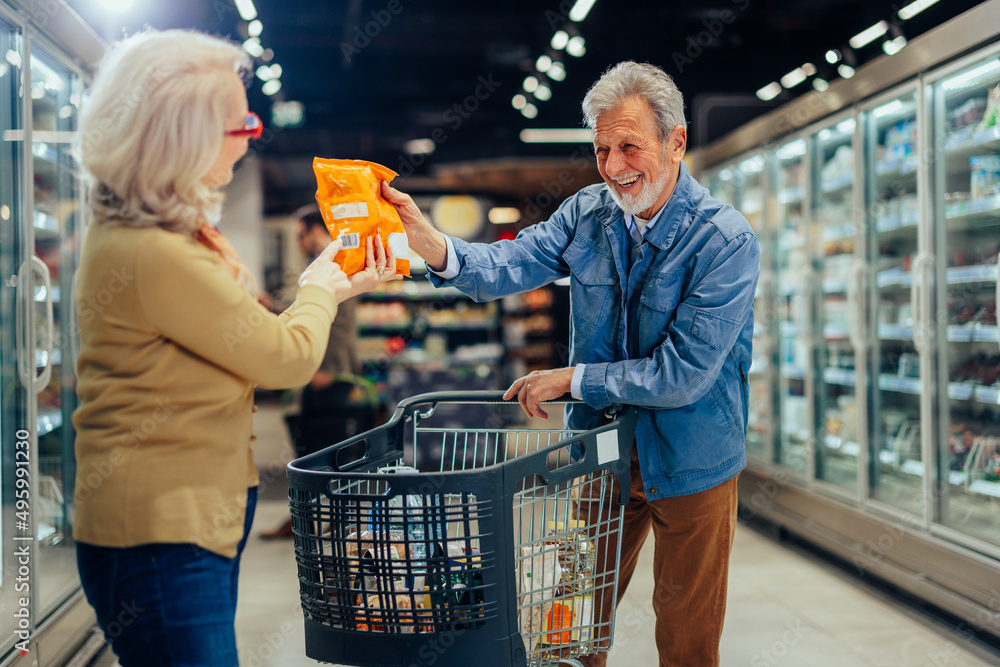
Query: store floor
column 784, row 608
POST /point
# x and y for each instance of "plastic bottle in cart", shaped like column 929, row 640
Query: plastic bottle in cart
column 415, row 509
column 577, row 558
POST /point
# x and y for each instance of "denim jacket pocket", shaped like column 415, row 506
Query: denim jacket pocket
column 719, row 332
column 590, row 264
column 593, row 292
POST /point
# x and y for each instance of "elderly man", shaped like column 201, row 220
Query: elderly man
column 662, row 280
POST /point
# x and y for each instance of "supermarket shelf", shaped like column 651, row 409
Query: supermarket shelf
column 964, row 391
column 902, row 385
column 957, row 333
column 838, row 184
column 967, row 142
column 415, row 291
column 847, row 447
column 985, row 487
column 49, row 420
column 793, row 372
column 833, row 286
column 844, row 377
column 902, row 167
column 835, row 332
column 791, row 195
column 956, row 275
column 391, row 328
column 974, row 209
column 892, row 223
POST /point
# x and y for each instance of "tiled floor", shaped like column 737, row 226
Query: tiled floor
column 784, row 608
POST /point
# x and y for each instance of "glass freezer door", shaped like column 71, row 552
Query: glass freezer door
column 791, row 264
column 896, row 463
column 749, row 182
column 837, row 417
column 55, row 96
column 967, row 211
column 15, row 376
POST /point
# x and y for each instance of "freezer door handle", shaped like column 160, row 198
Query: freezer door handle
column 996, row 303
column 855, row 303
column 919, row 280
column 25, row 353
column 41, row 380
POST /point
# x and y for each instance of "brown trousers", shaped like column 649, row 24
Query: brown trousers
column 694, row 537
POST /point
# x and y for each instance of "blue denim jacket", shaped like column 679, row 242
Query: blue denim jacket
column 690, row 322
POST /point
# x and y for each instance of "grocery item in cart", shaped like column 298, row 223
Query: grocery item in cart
column 350, row 200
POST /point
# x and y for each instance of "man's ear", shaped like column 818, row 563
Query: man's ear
column 677, row 143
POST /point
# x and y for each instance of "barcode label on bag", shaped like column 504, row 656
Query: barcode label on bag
column 357, row 209
column 350, row 241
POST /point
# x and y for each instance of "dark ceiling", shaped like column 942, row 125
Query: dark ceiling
column 454, row 65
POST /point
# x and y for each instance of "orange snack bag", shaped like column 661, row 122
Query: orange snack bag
column 350, row 199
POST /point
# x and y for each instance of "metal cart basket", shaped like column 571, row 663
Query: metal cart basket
column 427, row 542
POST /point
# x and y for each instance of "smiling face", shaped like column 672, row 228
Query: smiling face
column 233, row 147
column 640, row 170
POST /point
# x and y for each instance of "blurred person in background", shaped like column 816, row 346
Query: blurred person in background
column 337, row 403
column 662, row 280
column 173, row 342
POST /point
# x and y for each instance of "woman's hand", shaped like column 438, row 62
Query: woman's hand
column 424, row 240
column 380, row 267
column 326, row 273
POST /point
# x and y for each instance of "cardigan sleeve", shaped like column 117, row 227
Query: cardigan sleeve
column 187, row 295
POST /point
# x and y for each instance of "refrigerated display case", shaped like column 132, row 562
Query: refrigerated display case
column 965, row 103
column 42, row 72
column 791, row 305
column 882, row 234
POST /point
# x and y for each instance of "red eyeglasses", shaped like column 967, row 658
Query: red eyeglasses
column 253, row 127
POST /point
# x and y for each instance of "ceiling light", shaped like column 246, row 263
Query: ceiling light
column 558, row 135
column 253, row 47
column 264, row 73
column 832, row 56
column 271, row 87
column 530, row 83
column 529, row 110
column 846, row 126
column 869, row 35
column 267, row 55
column 14, row 58
column 556, row 71
column 519, row 101
column 576, row 46
column 821, row 85
column 796, row 148
column 793, row 78
column 889, row 109
column 288, row 114
column 809, row 69
column 893, row 46
column 276, row 70
column 543, row 92
column 845, row 71
column 770, row 91
column 580, row 10
column 254, row 28
column 559, row 40
column 965, row 78
column 246, row 9
column 543, row 64
column 504, row 215
column 419, row 146
column 914, row 8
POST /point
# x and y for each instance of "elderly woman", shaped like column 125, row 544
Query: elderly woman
column 173, row 342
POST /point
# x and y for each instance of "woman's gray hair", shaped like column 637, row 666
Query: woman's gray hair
column 630, row 79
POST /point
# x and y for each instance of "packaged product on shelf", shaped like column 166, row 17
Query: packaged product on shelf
column 350, row 198
column 991, row 117
column 985, row 175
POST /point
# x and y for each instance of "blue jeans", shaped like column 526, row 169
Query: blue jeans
column 166, row 605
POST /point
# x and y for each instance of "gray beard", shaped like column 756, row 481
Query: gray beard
column 635, row 204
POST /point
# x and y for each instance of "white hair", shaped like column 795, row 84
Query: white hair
column 630, row 79
column 153, row 126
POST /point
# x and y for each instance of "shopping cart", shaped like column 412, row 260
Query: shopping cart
column 482, row 562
